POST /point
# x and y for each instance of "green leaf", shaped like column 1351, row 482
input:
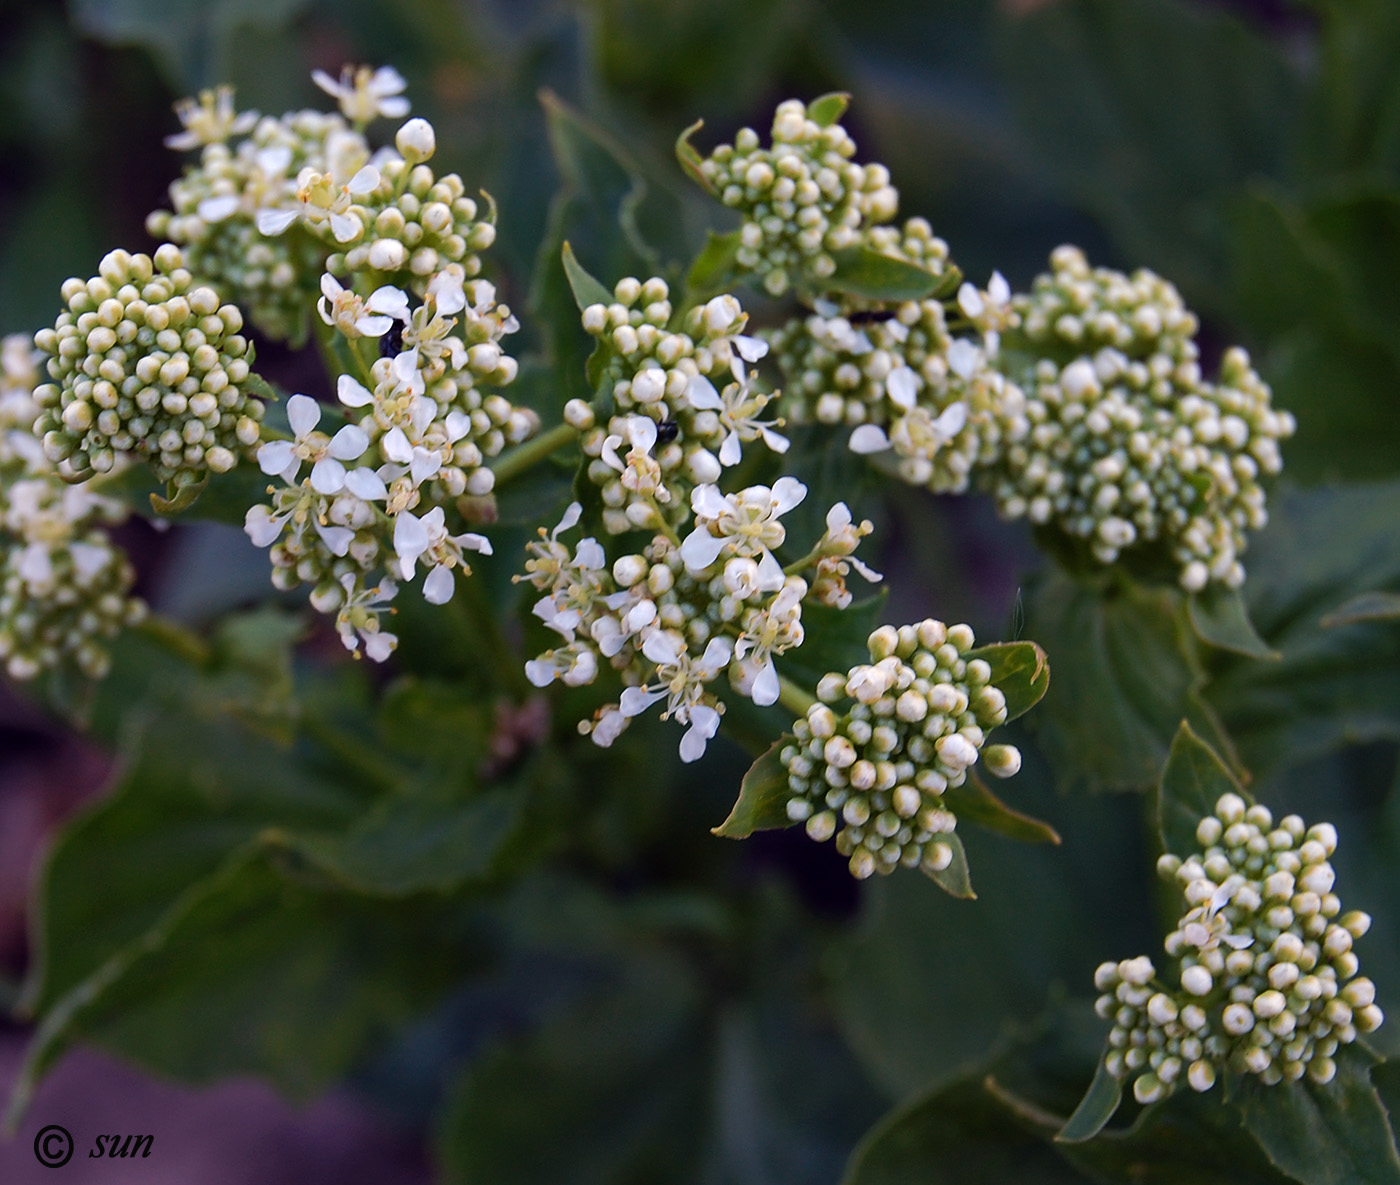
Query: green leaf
column 1331, row 687
column 955, row 880
column 178, row 497
column 1338, row 1134
column 1220, row 617
column 828, row 109
column 1020, row 671
column 973, row 802
column 763, row 797
column 587, row 291
column 1191, row 785
column 1126, row 675
column 713, row 269
column 1372, row 606
column 871, row 275
column 690, row 160
column 1095, row 1109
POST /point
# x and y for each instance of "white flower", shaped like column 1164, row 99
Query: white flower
column 328, row 475
column 681, row 682
column 575, row 665
column 640, row 472
column 745, row 523
column 902, row 386
column 916, row 433
column 356, row 317
column 416, row 537
column 299, row 506
column 359, row 614
column 211, row 120
column 364, row 94
column 768, row 632
column 738, row 409
column 320, row 198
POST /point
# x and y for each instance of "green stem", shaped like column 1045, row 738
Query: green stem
column 177, row 639
column 793, row 697
column 532, row 452
column 353, row 751
column 811, row 558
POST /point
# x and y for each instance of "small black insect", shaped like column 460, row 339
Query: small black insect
column 667, row 431
column 392, row 342
column 868, row 316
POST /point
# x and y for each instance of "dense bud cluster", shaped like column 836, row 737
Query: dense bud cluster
column 1128, row 444
column 873, row 774
column 64, row 588
column 146, row 365
column 672, row 618
column 902, row 381
column 1267, row 981
column 685, row 403
column 804, row 198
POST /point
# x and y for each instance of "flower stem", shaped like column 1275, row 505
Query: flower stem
column 805, row 562
column 793, row 697
column 532, row 452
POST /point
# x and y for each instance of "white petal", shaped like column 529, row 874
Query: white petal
column 326, row 83
column 395, row 446
column 470, row 541
column 424, row 465
column 374, row 326
column 869, row 438
column 540, row 673
column 379, row 644
column 438, row 585
column 704, row 721
column 774, row 440
column 589, row 554
column 952, row 419
column 274, row 222
column 902, row 386
column 216, row 209
column 389, row 300
column 970, row 301
column 962, row 358
column 663, row 648
column 330, row 286
column 643, row 613
column 770, row 573
column 999, row 290
column 328, row 476
column 394, row 108
column 458, row 425
column 641, row 431
column 363, row 182
column 350, row 442
column 405, row 367
column 636, row 700
column 336, row 539
column 572, row 514
column 717, row 655
column 838, row 516
column 351, row 392
column 303, row 413
column 865, row 570
column 751, row 349
column 262, row 527
column 410, row 539
column 366, row 484
column 274, row 161
column 787, row 493
column 765, row 687
column 731, row 452
column 702, row 394
column 708, row 502
column 35, row 565
column 700, row 549
column 344, row 227
column 275, row 456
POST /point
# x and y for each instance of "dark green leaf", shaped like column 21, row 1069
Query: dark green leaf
column 1191, row 785
column 1020, row 671
column 763, row 797
column 828, row 109
column 587, row 291
column 1095, row 1109
column 973, row 802
column 1338, row 1134
column 1372, row 606
column 955, row 880
column 713, row 269
column 1220, row 617
column 872, row 276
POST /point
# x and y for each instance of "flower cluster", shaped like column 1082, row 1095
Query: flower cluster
column 673, row 618
column 1128, row 443
column 64, row 588
column 1267, row 981
column 874, row 774
column 685, row 402
column 804, row 198
column 146, row 365
column 899, row 378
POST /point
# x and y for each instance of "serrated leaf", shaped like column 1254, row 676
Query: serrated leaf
column 872, row 275
column 1192, row 782
column 1095, row 1109
column 587, row 291
column 1338, row 1134
column 763, row 796
column 828, row 109
column 973, row 802
column 1220, row 617
column 690, row 160
column 713, row 269
column 1020, row 671
column 1372, row 606
column 955, row 880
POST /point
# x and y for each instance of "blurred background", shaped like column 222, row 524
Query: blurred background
column 1249, row 150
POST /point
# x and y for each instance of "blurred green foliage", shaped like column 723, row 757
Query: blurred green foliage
column 546, row 960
